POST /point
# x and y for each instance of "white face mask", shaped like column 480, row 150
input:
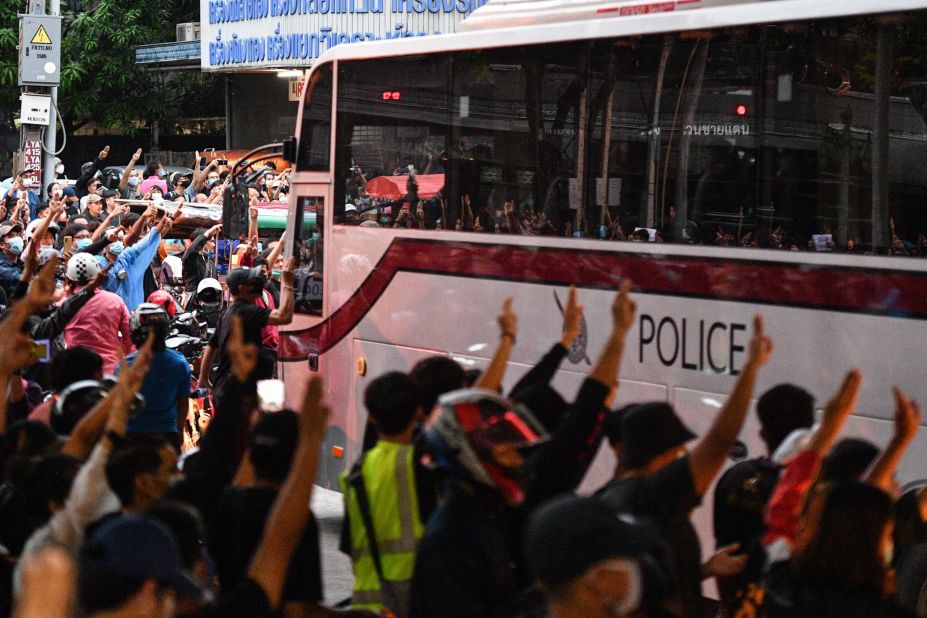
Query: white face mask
column 59, row 169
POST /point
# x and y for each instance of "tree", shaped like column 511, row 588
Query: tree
column 100, row 81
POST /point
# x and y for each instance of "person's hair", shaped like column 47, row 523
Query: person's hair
column 130, row 219
column 848, row 460
column 392, row 400
column 151, row 169
column 272, row 458
column 845, row 553
column 435, row 376
column 23, row 441
column 186, row 524
column 72, row 229
column 910, row 527
column 783, row 409
column 197, row 232
column 49, row 481
column 140, row 456
column 102, row 590
column 73, row 365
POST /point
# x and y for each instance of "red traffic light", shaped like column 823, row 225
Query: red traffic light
column 741, row 110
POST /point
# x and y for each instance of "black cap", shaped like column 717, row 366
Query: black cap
column 611, row 426
column 568, row 535
column 242, row 276
column 140, row 547
column 649, row 429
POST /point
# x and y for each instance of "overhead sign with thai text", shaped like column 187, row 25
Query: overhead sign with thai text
column 240, row 34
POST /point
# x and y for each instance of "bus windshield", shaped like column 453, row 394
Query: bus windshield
column 790, row 136
column 315, row 132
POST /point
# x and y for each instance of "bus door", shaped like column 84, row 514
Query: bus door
column 305, row 240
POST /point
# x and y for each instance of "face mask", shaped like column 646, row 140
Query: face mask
column 83, row 243
column 59, row 169
column 276, row 273
column 27, row 183
column 212, row 182
column 161, row 173
column 133, row 181
column 316, row 236
column 15, row 245
column 156, row 196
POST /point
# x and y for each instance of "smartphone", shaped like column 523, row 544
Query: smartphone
column 66, row 245
column 202, row 163
column 222, row 161
column 271, row 395
column 41, row 350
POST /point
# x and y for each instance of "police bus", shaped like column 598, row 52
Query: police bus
column 728, row 157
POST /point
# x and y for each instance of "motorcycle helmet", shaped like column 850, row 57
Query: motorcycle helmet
column 171, row 270
column 163, row 299
column 79, row 398
column 82, row 268
column 209, row 290
column 146, row 318
column 465, row 431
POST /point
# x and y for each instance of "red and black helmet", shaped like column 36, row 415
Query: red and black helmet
column 163, row 299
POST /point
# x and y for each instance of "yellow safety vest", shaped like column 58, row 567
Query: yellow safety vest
column 389, row 479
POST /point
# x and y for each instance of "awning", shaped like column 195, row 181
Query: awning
column 394, row 187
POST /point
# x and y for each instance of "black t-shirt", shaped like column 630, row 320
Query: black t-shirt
column 667, row 498
column 253, row 319
column 237, row 529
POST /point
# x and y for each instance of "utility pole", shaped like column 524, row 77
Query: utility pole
column 51, row 132
column 39, row 76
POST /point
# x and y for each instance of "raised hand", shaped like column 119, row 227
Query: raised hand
column 288, row 276
column 844, row 401
column 907, row 416
column 572, row 319
column 104, row 153
column 136, row 156
column 313, row 420
column 624, row 308
column 761, row 346
column 42, row 289
column 507, row 320
column 244, row 356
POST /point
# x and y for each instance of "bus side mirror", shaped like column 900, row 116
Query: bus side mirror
column 235, row 211
column 290, row 150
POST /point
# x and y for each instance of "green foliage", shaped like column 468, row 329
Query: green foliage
column 99, row 79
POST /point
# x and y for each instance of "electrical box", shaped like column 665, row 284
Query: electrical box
column 39, row 50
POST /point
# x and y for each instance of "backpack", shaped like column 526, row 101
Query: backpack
column 740, row 501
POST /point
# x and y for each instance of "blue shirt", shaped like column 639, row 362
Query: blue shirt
column 127, row 277
column 166, row 382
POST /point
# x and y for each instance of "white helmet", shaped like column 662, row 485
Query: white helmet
column 209, row 284
column 175, row 266
column 82, row 268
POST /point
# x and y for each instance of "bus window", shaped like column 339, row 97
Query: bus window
column 392, row 140
column 515, row 122
column 315, row 133
column 309, row 254
column 807, row 137
column 802, row 137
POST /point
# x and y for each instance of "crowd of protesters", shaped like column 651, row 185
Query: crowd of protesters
column 463, row 501
column 509, row 217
